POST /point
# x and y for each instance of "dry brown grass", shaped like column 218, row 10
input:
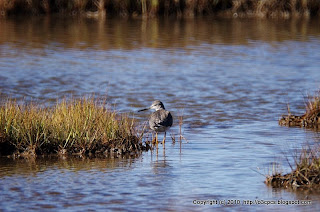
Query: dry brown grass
column 313, row 104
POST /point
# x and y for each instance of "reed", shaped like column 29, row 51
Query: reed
column 77, row 126
column 313, row 105
column 235, row 8
column 181, row 137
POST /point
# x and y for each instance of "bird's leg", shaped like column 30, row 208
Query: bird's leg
column 153, row 139
column 164, row 137
column 157, row 139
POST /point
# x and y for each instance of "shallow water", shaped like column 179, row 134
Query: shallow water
column 231, row 80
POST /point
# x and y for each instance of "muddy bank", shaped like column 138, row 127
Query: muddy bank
column 296, row 179
column 301, row 121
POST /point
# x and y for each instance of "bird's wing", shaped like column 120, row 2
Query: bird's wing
column 159, row 119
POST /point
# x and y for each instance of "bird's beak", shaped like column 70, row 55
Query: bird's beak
column 143, row 109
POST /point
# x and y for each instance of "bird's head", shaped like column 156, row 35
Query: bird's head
column 156, row 105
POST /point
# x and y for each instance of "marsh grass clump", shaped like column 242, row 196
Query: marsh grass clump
column 76, row 126
column 305, row 175
column 311, row 117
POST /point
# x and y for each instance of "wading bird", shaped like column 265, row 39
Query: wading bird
column 160, row 120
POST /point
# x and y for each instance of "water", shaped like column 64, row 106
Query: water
column 231, row 80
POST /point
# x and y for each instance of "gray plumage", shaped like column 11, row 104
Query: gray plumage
column 161, row 119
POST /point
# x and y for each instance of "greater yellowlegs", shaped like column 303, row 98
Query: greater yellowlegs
column 160, row 120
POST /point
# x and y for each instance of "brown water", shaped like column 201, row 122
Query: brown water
column 231, row 79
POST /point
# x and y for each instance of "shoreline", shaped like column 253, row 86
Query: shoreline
column 157, row 8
